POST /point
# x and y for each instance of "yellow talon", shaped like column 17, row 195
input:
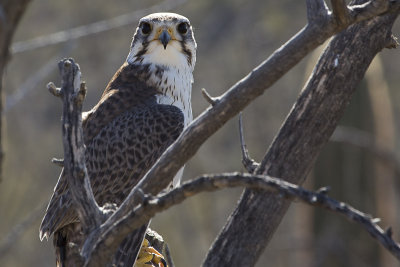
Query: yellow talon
column 149, row 256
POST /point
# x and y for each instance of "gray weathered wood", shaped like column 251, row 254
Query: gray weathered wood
column 308, row 127
column 73, row 93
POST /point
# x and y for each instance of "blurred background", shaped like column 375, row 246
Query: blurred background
column 360, row 164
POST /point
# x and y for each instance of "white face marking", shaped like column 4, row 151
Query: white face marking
column 175, row 81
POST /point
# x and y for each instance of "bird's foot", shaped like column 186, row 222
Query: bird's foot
column 149, row 256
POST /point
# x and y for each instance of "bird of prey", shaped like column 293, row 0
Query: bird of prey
column 143, row 109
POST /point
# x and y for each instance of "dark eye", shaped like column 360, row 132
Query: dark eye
column 182, row 28
column 146, row 28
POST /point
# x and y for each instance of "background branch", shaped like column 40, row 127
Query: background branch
column 306, row 130
column 10, row 15
column 92, row 28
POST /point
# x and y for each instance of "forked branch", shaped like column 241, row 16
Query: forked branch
column 208, row 183
column 73, row 92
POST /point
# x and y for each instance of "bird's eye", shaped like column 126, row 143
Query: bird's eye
column 182, row 28
column 146, row 28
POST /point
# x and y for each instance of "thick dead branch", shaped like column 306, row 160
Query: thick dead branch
column 306, row 130
column 229, row 104
column 73, row 93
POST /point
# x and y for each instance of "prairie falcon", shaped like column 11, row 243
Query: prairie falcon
column 143, row 109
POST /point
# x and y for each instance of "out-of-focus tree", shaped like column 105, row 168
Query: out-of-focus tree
column 10, row 15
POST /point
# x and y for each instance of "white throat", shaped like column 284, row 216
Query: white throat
column 171, row 73
column 176, row 86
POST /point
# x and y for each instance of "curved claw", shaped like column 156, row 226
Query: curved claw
column 149, row 256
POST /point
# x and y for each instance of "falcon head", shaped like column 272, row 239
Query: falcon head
column 164, row 39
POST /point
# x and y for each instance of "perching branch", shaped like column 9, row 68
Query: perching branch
column 229, row 104
column 208, row 183
column 73, row 92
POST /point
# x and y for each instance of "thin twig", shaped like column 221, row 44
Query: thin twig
column 249, row 163
column 58, row 162
column 301, row 137
column 56, row 91
column 211, row 100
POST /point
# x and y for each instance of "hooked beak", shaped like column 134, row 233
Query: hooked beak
column 164, row 38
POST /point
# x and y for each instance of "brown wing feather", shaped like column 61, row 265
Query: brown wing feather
column 125, row 133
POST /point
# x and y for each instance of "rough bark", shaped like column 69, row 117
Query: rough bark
column 308, row 127
column 73, row 93
column 10, row 15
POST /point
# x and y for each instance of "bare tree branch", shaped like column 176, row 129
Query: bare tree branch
column 209, row 183
column 306, row 130
column 73, row 93
column 229, row 104
column 92, row 28
column 58, row 162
